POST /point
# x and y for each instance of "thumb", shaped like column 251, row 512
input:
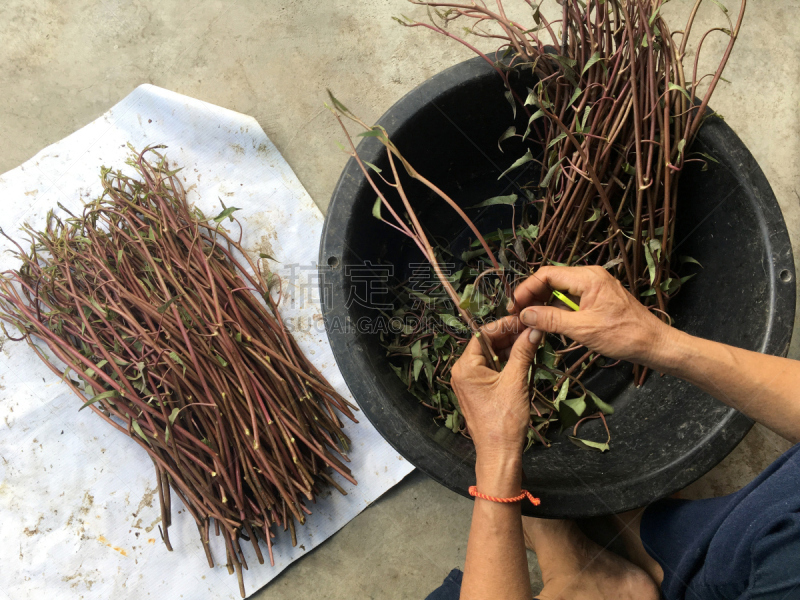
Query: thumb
column 549, row 319
column 523, row 353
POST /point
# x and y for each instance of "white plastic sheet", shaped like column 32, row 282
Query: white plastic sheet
column 78, row 505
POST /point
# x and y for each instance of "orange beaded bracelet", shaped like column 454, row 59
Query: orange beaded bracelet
column 473, row 491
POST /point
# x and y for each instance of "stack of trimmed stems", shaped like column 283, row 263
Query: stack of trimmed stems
column 157, row 317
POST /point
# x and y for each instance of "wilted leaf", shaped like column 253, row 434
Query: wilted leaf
column 174, row 415
column 371, row 166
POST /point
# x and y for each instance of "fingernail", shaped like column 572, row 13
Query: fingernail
column 510, row 306
column 534, row 336
column 528, row 317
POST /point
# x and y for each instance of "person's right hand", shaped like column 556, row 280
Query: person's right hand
column 610, row 321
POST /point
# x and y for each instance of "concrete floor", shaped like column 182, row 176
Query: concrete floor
column 64, row 62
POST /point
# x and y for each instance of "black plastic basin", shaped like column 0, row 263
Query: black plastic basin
column 665, row 434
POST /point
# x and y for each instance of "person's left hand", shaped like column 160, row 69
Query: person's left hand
column 496, row 406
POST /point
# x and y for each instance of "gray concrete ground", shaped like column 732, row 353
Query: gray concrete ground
column 64, row 62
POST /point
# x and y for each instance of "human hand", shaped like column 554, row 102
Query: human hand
column 496, row 405
column 610, row 322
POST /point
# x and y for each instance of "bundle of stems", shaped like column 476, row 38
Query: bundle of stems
column 158, row 318
column 610, row 117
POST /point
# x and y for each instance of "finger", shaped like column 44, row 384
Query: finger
column 539, row 286
column 551, row 319
column 522, row 353
column 500, row 335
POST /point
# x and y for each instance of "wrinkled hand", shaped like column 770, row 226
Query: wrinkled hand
column 496, row 405
column 611, row 321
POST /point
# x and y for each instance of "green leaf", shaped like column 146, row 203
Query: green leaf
column 578, row 91
column 651, row 265
column 689, row 259
column 655, row 248
column 336, row 102
column 590, row 63
column 226, row 214
column 550, row 172
column 416, row 349
column 534, row 116
column 374, row 132
column 675, row 86
column 721, row 6
column 570, row 411
column 440, row 340
column 119, row 255
column 453, row 322
column 174, row 356
column 603, row 406
column 264, row 255
column 101, row 396
column 595, row 215
column 418, row 364
column 588, row 444
column 556, row 139
column 163, row 308
column 510, row 97
column 681, row 146
column 507, row 200
column 222, row 362
column 511, row 131
column 138, row 430
column 376, row 209
column 174, row 415
column 470, row 254
column 567, row 65
column 562, row 394
column 472, row 299
column 100, row 365
column 578, row 405
column 708, row 157
column 629, row 169
column 654, row 15
column 526, row 158
column 371, row 166
column 531, row 231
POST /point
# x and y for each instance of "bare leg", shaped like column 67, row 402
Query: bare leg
column 629, row 524
column 575, row 568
